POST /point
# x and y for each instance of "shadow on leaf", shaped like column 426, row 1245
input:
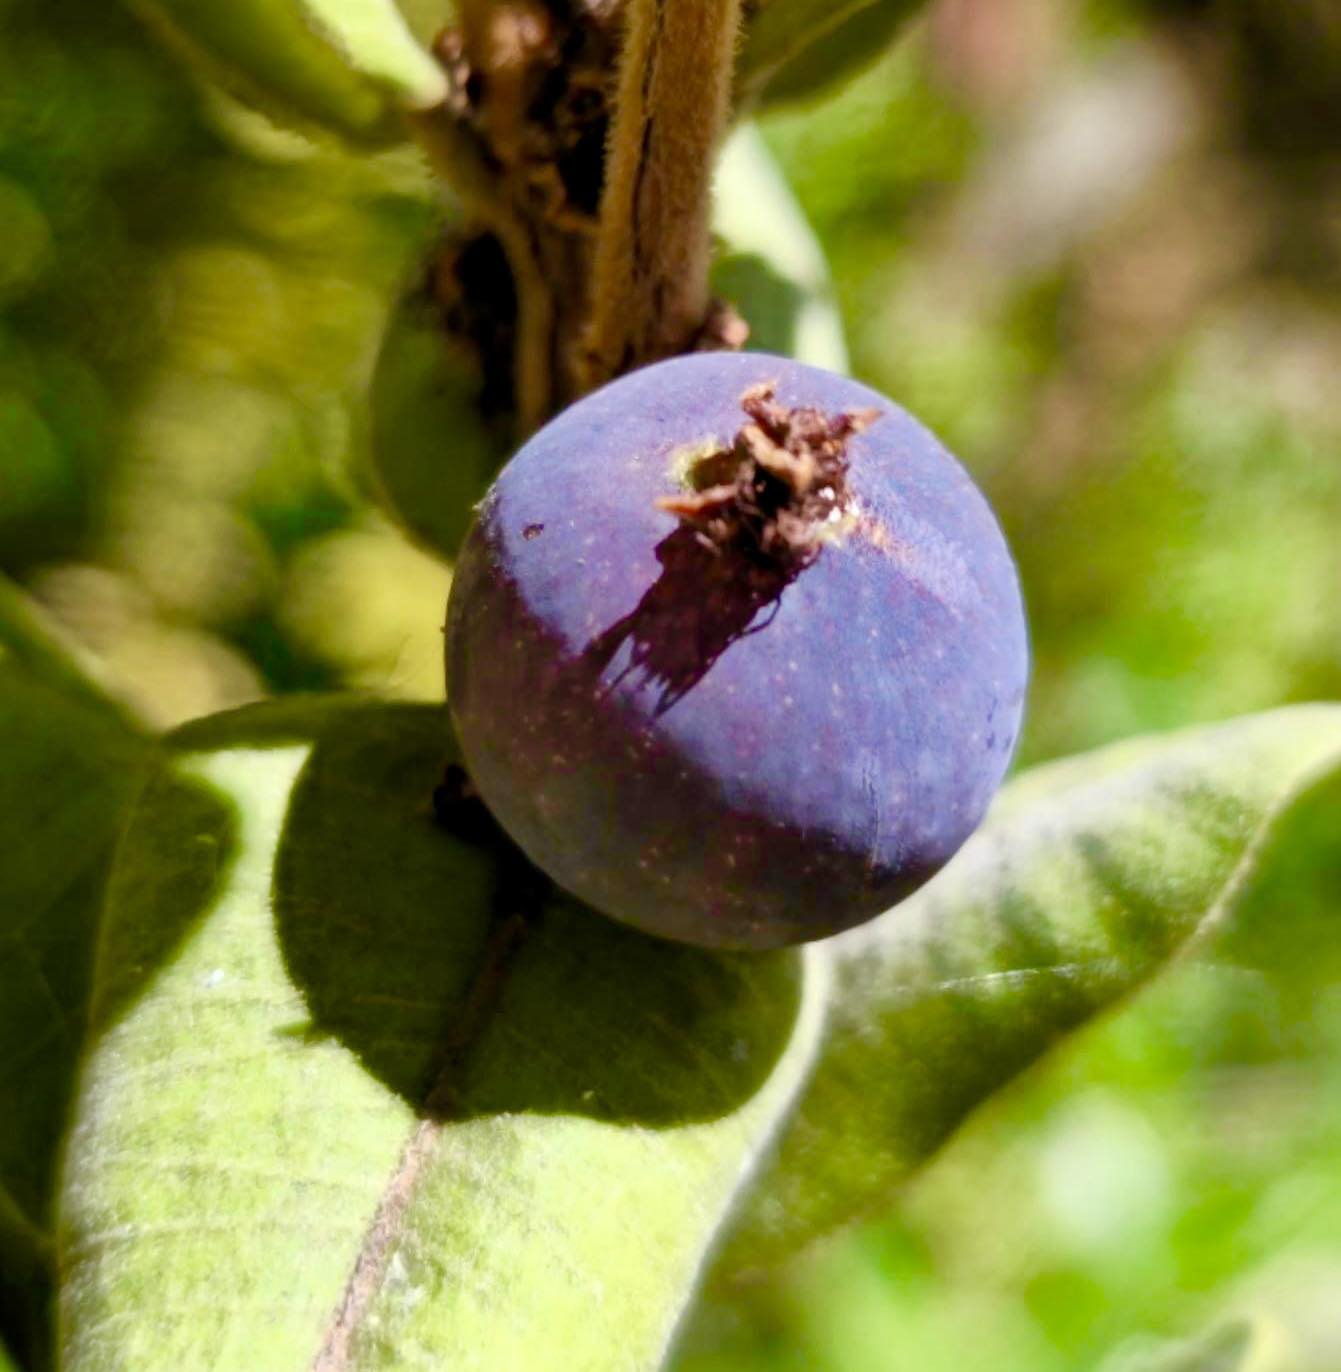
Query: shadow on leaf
column 172, row 862
column 386, row 922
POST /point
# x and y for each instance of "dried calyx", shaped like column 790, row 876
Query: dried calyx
column 780, row 489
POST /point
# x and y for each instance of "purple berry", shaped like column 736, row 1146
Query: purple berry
column 736, row 651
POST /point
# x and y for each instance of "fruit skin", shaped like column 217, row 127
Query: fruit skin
column 743, row 776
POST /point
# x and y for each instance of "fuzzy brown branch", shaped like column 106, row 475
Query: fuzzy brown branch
column 580, row 135
column 521, row 138
column 649, row 295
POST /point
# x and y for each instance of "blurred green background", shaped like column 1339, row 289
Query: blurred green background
column 1095, row 244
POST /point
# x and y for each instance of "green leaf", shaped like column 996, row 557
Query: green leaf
column 338, row 1110
column 1237, row 1345
column 71, row 768
column 769, row 263
column 796, row 49
column 68, row 776
column 32, row 649
column 342, row 1106
column 1086, row 879
column 348, row 65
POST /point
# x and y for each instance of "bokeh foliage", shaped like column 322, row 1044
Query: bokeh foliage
column 1094, row 246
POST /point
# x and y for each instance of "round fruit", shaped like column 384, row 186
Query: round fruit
column 736, row 651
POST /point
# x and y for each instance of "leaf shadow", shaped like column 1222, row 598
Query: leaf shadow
column 386, row 922
column 172, row 862
column 69, row 777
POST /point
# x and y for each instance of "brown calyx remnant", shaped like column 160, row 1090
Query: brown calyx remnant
column 780, row 490
column 757, row 516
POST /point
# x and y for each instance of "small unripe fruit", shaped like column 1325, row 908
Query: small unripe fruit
column 736, row 651
column 425, row 385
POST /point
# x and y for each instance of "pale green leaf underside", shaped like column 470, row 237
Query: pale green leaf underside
column 252, row 1182
column 349, row 65
column 1088, row 876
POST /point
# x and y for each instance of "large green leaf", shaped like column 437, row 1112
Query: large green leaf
column 71, row 765
column 1088, row 876
column 349, row 65
column 795, row 49
column 319, row 1127
column 359, row 1093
